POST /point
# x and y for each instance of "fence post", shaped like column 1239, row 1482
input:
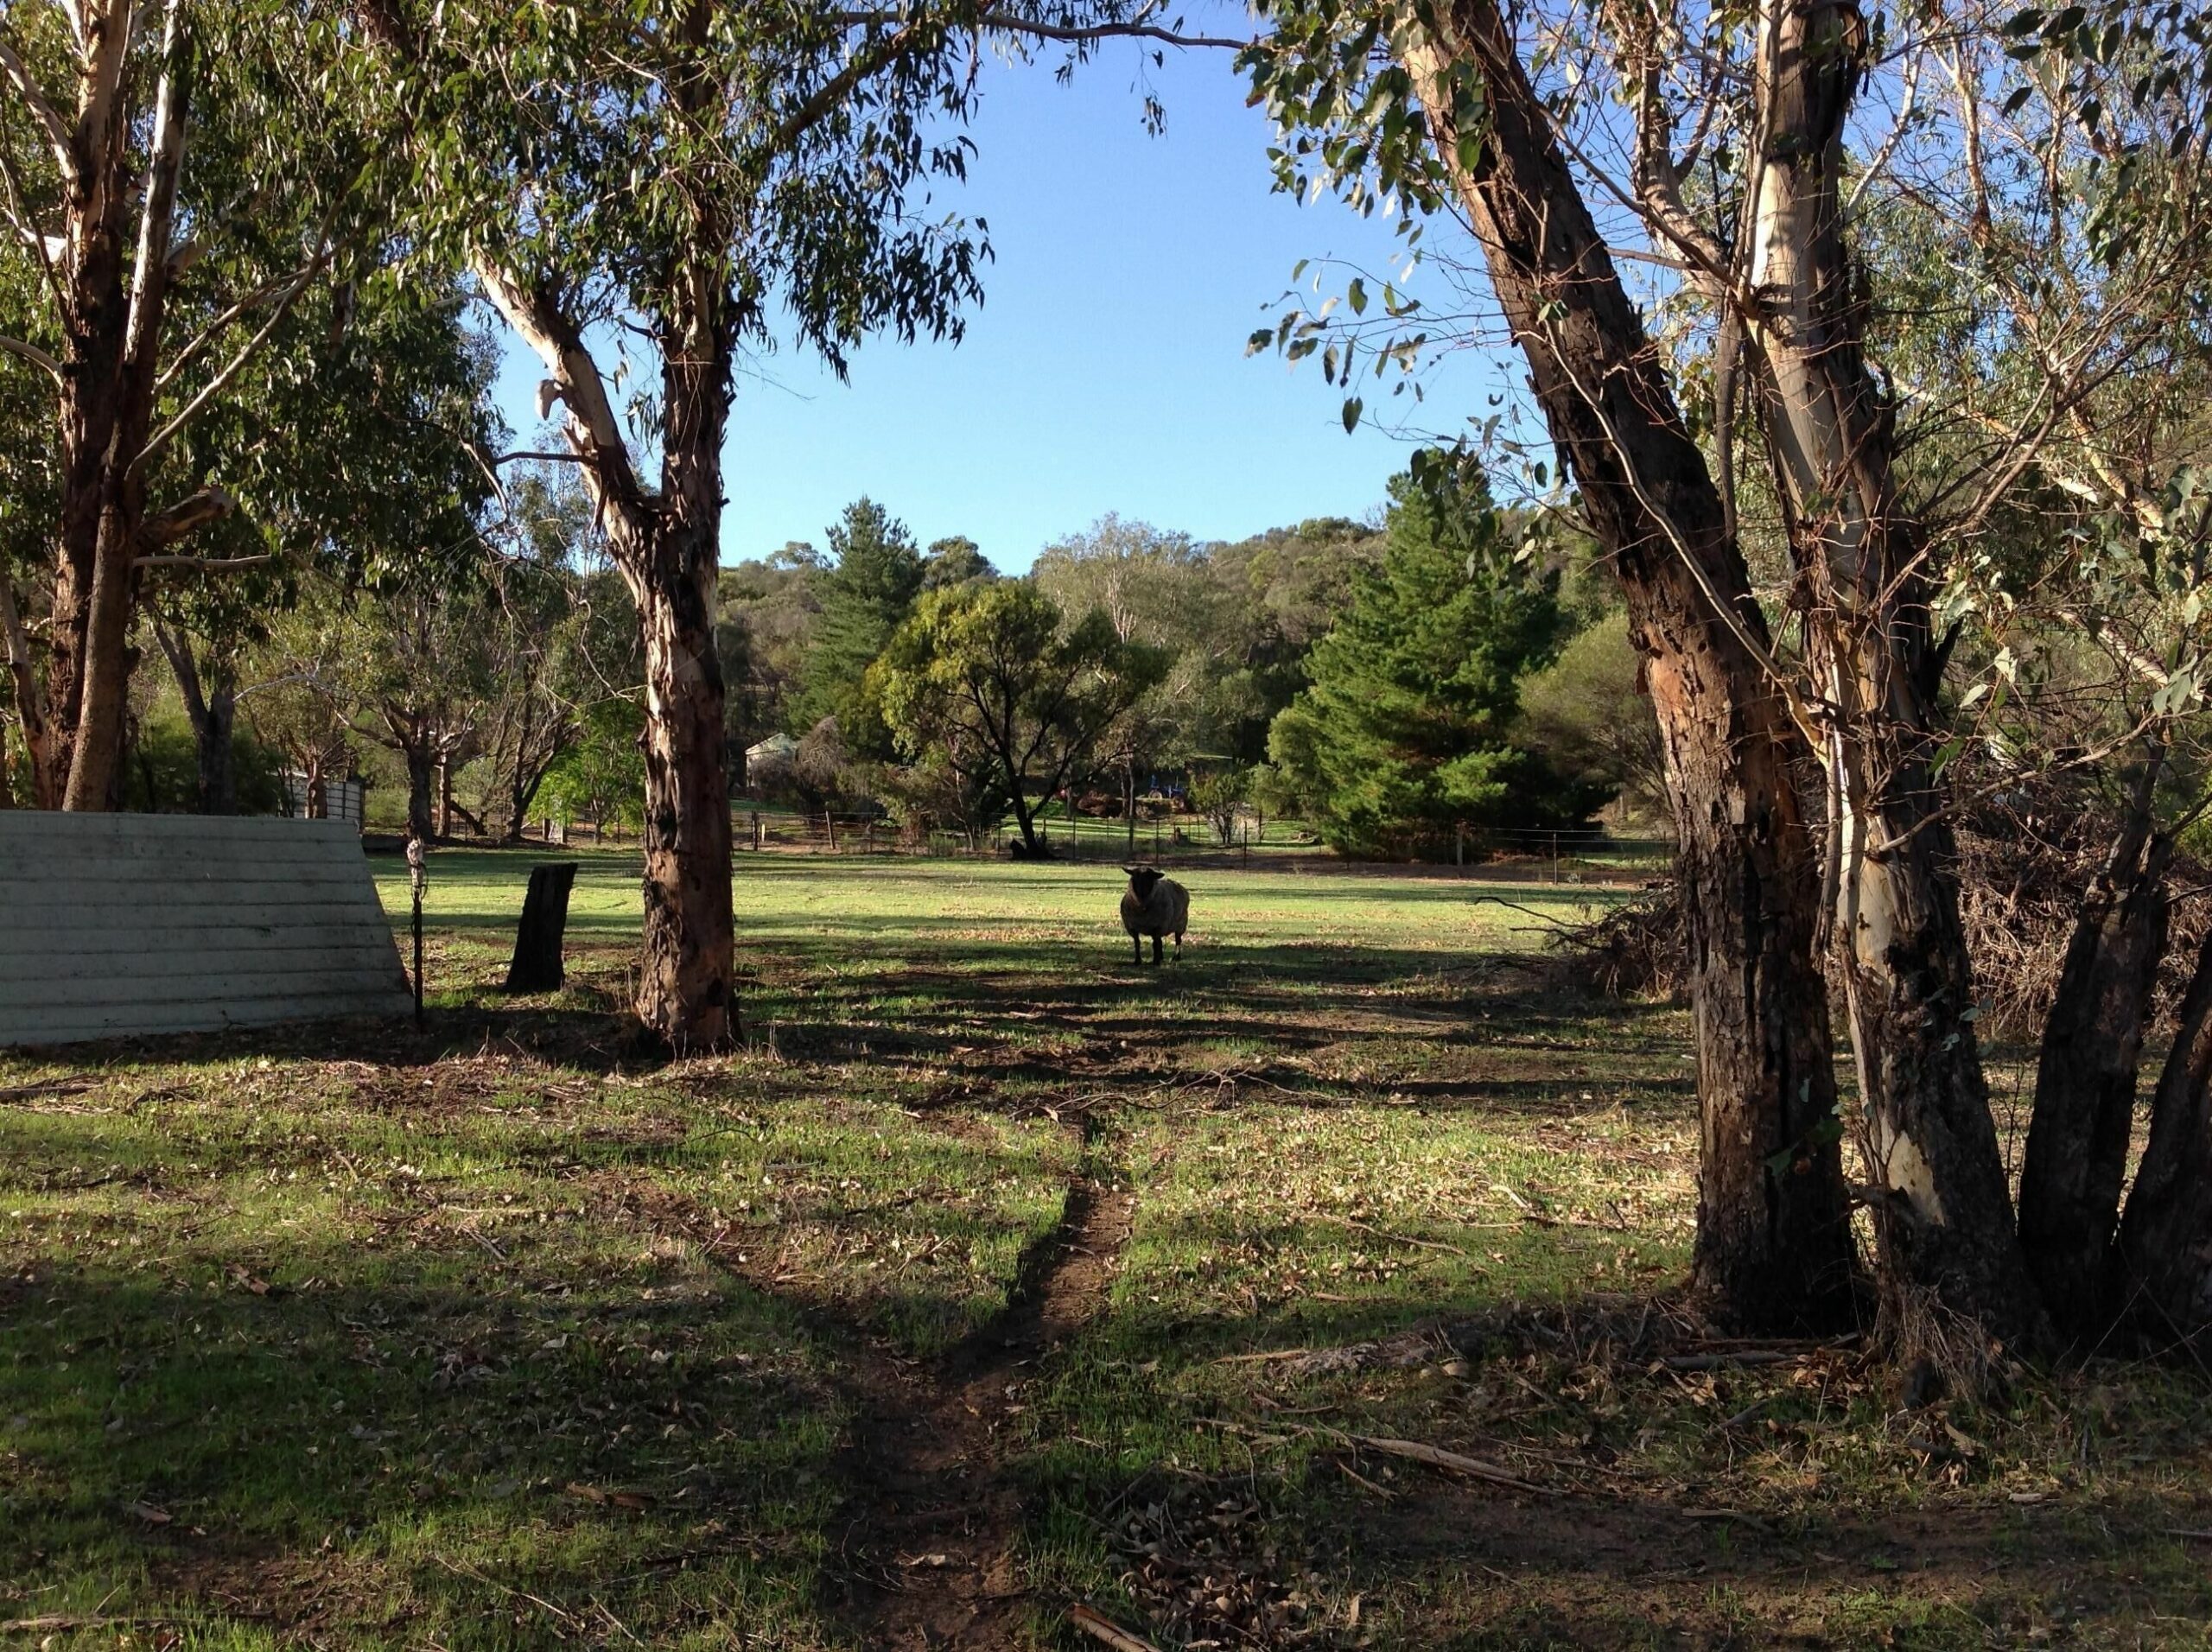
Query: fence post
column 417, row 876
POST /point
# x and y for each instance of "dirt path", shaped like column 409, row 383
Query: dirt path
column 929, row 1546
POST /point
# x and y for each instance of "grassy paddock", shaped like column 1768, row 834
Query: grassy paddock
column 499, row 1336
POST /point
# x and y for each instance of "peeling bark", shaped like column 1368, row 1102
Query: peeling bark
column 111, row 319
column 1945, row 1232
column 1774, row 1248
column 667, row 545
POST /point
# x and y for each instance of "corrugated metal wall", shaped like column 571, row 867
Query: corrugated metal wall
column 114, row 924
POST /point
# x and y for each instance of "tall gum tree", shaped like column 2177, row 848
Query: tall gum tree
column 1944, row 1222
column 2007, row 185
column 690, row 177
column 1880, row 599
column 158, row 280
column 1453, row 102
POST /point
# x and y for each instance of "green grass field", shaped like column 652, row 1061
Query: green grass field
column 992, row 1279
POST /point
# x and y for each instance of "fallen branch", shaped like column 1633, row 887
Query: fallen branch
column 1437, row 1457
column 1101, row 1629
column 69, row 1086
column 1401, row 1238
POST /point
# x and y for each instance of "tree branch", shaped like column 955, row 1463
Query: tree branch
column 164, row 165
column 220, row 382
column 204, row 564
column 1073, row 33
column 911, row 34
column 832, row 91
column 31, row 353
column 534, row 310
column 49, row 118
column 208, row 335
column 194, row 512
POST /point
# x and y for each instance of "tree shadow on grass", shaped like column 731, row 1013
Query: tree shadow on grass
column 391, row 1448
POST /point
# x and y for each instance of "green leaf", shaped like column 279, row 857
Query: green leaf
column 1353, row 406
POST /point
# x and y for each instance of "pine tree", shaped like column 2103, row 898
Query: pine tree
column 870, row 589
column 1403, row 735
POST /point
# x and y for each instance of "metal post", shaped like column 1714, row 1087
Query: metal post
column 417, row 876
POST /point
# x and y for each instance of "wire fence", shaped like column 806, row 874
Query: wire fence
column 1571, row 856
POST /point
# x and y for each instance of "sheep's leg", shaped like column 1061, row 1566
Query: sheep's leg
column 1136, row 946
column 1178, row 946
column 1156, row 950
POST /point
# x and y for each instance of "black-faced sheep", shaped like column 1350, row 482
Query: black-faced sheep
column 1153, row 905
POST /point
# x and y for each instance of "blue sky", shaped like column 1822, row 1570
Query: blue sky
column 1105, row 370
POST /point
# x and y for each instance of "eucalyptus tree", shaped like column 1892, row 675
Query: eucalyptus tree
column 690, row 178
column 1738, row 154
column 413, row 669
column 173, row 178
column 1431, row 106
column 357, row 446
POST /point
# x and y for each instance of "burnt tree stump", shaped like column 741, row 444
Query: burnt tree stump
column 537, row 965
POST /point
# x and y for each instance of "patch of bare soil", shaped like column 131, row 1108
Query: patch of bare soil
column 929, row 1548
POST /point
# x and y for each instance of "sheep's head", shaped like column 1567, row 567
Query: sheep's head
column 1141, row 880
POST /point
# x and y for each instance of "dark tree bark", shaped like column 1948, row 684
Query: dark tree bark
column 1032, row 846
column 422, row 761
column 211, row 704
column 2085, row 1080
column 536, row 966
column 2165, row 1265
column 685, row 991
column 1774, row 1247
